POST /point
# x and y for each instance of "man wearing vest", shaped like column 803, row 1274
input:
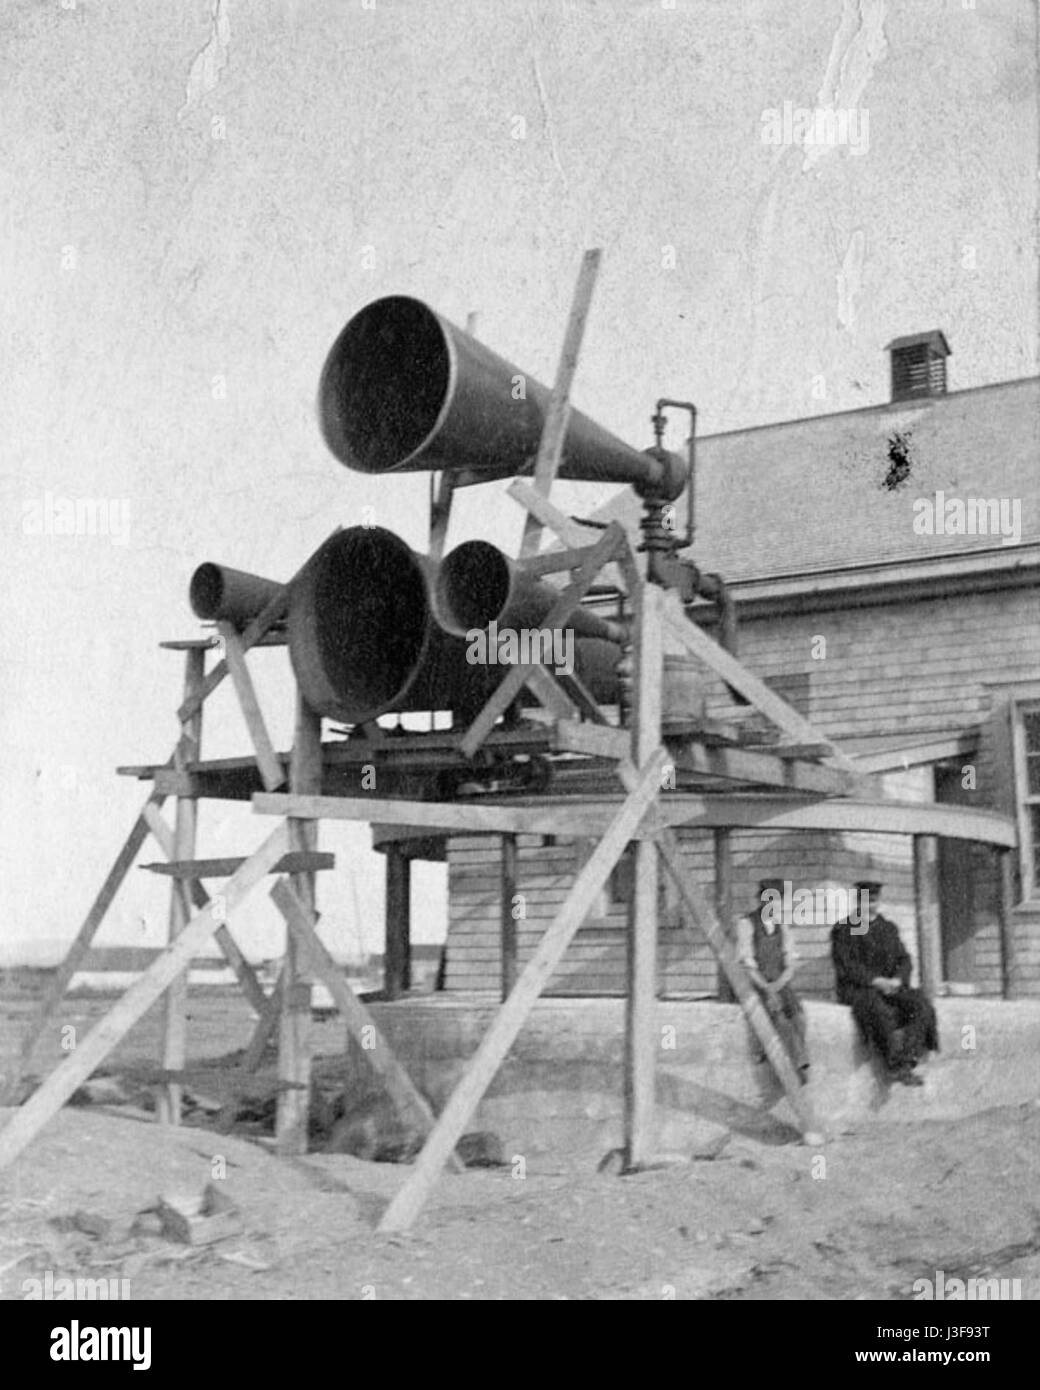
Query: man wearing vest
column 872, row 973
column 766, row 952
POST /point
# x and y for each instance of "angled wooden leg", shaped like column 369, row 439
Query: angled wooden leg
column 43, row 1104
column 510, row 1018
column 294, row 1064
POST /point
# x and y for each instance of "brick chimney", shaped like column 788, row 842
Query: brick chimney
column 919, row 365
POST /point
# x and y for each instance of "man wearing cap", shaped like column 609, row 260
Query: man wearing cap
column 872, row 971
column 766, row 952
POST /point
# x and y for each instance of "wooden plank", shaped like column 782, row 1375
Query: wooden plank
column 507, row 921
column 764, row 768
column 550, row 695
column 770, row 704
column 724, row 903
column 271, row 770
column 440, row 516
column 598, row 740
column 244, row 972
column 296, row 862
column 926, row 912
column 553, row 561
column 570, row 533
column 439, row 815
column 175, row 1002
column 266, row 1024
column 641, row 1035
column 397, row 962
column 359, row 1022
column 43, row 1104
column 700, row 911
column 510, row 1018
column 77, row 952
column 294, row 1062
column 554, row 430
column 568, row 600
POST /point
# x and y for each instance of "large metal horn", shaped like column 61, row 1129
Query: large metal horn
column 219, row 592
column 477, row 584
column 363, row 640
column 403, row 389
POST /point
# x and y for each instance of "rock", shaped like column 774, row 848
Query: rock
column 481, row 1149
column 199, row 1219
column 373, row 1130
column 92, row 1223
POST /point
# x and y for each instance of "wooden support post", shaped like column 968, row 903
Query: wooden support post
column 361, row 1025
column 266, row 1026
column 77, row 952
column 397, row 967
column 508, row 921
column 724, row 902
column 294, row 1063
column 1008, row 950
column 926, row 911
column 175, row 1004
column 267, row 760
column 510, row 1018
column 43, row 1104
column 641, row 1036
column 554, row 431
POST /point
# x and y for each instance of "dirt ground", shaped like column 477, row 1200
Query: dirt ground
column 862, row 1218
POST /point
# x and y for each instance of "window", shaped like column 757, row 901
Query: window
column 1029, row 784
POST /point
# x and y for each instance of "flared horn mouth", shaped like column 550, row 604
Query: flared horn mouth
column 359, row 623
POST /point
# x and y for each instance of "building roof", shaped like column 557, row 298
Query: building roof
column 934, row 339
column 839, row 491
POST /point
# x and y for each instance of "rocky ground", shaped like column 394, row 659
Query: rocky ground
column 861, row 1218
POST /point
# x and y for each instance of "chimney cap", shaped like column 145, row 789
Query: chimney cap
column 935, row 339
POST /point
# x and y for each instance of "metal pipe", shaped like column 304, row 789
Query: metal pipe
column 404, row 389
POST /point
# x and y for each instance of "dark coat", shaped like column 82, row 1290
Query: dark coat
column 860, row 956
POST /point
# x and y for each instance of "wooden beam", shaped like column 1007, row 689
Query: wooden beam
column 361, row 1026
column 570, row 533
column 767, row 701
column 397, row 963
column 294, row 1062
column 193, row 869
column 700, row 911
column 271, row 770
column 764, row 768
column 554, row 430
column 642, row 1038
column 244, row 972
column 43, row 1104
column 553, row 561
column 926, row 913
column 569, row 598
column 440, row 516
column 175, row 1001
column 507, row 892
column 522, row 820
column 597, row 740
column 79, row 949
column 550, row 695
column 510, row 1018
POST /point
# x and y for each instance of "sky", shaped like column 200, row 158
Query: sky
column 197, row 196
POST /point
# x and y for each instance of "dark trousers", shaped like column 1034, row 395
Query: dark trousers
column 900, row 1027
column 785, row 1009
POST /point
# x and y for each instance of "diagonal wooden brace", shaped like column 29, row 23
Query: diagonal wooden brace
column 271, row 771
column 510, row 1018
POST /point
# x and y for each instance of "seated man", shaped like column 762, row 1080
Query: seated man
column 872, row 970
column 765, row 949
